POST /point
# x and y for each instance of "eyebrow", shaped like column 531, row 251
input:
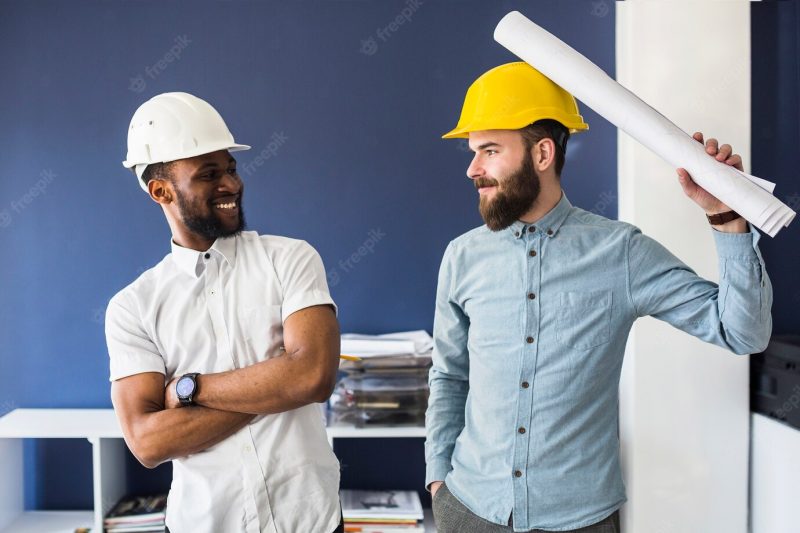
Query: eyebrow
column 212, row 164
column 484, row 146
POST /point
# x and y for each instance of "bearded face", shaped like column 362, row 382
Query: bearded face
column 512, row 197
column 211, row 218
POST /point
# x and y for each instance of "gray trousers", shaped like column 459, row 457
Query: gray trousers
column 452, row 516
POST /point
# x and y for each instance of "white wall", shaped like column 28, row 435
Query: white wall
column 684, row 404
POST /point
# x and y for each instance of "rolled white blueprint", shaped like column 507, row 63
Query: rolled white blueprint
column 749, row 196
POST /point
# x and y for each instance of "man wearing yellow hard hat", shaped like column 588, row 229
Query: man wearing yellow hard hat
column 533, row 311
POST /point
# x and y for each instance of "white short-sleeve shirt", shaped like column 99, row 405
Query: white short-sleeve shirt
column 220, row 310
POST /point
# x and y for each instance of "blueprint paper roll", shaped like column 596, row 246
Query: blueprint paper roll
column 749, row 196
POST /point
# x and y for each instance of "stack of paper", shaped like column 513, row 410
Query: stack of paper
column 406, row 349
column 382, row 511
column 389, row 386
column 403, row 343
column 137, row 515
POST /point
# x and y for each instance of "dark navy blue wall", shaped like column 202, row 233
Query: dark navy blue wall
column 775, row 142
column 346, row 112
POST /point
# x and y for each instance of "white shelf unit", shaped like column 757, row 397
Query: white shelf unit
column 774, row 476
column 101, row 428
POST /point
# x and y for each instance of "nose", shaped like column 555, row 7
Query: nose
column 475, row 170
column 230, row 181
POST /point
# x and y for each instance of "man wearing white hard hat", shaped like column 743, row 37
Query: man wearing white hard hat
column 533, row 311
column 220, row 352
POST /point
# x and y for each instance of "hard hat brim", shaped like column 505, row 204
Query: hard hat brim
column 462, row 131
column 229, row 147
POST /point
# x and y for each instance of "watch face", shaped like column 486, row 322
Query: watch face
column 184, row 387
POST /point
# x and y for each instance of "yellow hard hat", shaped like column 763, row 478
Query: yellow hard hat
column 512, row 96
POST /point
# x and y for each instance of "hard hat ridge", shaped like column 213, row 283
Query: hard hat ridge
column 513, row 96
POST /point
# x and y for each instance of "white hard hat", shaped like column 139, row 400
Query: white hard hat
column 173, row 126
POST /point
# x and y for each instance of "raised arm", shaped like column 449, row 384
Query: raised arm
column 734, row 314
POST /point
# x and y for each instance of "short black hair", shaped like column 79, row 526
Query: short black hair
column 548, row 129
column 158, row 171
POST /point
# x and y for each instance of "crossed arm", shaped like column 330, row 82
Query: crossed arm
column 157, row 430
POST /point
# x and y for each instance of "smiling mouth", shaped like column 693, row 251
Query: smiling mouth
column 228, row 203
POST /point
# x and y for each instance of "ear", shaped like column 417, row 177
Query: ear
column 544, row 154
column 160, row 191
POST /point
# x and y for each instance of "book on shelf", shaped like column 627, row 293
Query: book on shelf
column 377, row 511
column 383, row 528
column 136, row 529
column 137, row 514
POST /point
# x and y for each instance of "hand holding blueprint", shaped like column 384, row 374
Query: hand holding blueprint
column 749, row 196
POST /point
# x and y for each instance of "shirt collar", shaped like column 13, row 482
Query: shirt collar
column 191, row 261
column 549, row 224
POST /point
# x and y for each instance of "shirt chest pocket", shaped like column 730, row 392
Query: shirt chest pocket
column 261, row 329
column 584, row 319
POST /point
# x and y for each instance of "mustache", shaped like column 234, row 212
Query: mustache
column 485, row 182
column 229, row 197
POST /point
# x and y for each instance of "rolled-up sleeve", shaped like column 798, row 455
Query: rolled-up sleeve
column 736, row 314
column 448, row 378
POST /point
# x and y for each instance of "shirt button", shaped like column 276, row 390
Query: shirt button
column 207, row 256
column 516, row 234
column 532, row 253
column 532, row 229
column 521, row 430
column 529, row 340
column 517, row 473
column 248, row 449
column 549, row 231
column 531, row 296
column 212, row 292
column 525, row 385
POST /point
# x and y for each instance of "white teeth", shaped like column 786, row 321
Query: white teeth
column 227, row 206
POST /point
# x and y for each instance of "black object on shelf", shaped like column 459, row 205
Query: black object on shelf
column 775, row 380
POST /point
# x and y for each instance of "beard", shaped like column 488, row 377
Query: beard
column 513, row 198
column 203, row 221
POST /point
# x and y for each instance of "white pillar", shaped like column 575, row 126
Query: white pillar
column 684, row 410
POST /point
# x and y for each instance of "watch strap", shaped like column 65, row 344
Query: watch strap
column 722, row 218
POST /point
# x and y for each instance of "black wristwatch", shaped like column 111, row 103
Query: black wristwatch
column 186, row 388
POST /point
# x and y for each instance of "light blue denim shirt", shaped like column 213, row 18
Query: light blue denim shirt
column 530, row 329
